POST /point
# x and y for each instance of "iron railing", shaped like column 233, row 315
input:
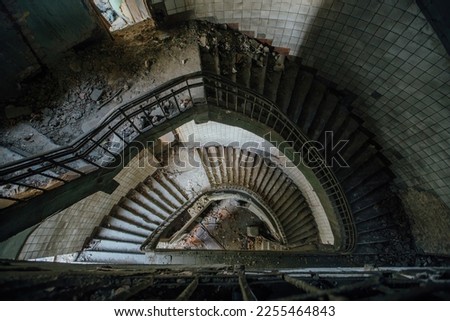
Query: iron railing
column 101, row 148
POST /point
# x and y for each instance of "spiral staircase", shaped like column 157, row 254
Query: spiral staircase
column 311, row 103
column 243, row 80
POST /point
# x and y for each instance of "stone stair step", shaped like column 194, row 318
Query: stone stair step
column 337, row 118
column 313, row 100
column 304, row 234
column 210, row 60
column 293, row 199
column 370, row 167
column 227, row 63
column 242, row 162
column 243, row 67
column 112, row 257
column 322, row 116
column 356, row 140
column 278, row 190
column 158, row 208
column 178, row 193
column 257, row 166
column 271, row 187
column 348, row 127
column 164, row 196
column 112, row 233
column 223, row 164
column 123, row 214
column 258, row 74
column 288, row 78
column 228, row 156
column 303, row 84
column 363, row 155
column 239, row 172
column 214, row 164
column 206, row 165
column 273, row 77
column 111, row 222
column 302, row 225
column 372, row 215
column 298, row 218
column 113, row 246
column 138, row 209
column 372, row 183
column 371, row 199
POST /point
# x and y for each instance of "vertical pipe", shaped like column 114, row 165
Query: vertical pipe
column 247, row 293
column 186, row 294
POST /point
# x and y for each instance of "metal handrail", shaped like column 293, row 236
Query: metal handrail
column 98, row 149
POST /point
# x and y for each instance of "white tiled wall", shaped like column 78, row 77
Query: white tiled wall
column 175, row 6
column 365, row 46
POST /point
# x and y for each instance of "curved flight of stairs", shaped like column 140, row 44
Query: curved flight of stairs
column 120, row 235
column 228, row 166
column 316, row 106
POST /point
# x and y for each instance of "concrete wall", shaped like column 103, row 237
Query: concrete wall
column 37, row 31
column 373, row 48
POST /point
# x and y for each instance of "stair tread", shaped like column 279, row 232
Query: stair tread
column 112, row 257
column 303, row 84
column 113, row 245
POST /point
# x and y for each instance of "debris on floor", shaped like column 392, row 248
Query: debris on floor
column 226, row 226
column 84, row 85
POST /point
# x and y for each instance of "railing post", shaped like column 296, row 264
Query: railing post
column 85, row 159
column 217, row 93
column 62, row 165
column 117, row 134
column 105, row 149
column 189, row 91
column 247, row 293
column 161, row 107
column 245, row 104
column 226, row 99
column 186, row 294
column 176, row 101
column 30, row 170
column 146, row 115
column 130, row 121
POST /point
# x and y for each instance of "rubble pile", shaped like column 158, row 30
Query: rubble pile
column 227, row 42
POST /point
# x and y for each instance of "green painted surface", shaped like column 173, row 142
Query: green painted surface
column 10, row 248
column 53, row 26
column 47, row 27
column 17, row 59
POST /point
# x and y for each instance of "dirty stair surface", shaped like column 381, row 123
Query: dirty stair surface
column 120, row 235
